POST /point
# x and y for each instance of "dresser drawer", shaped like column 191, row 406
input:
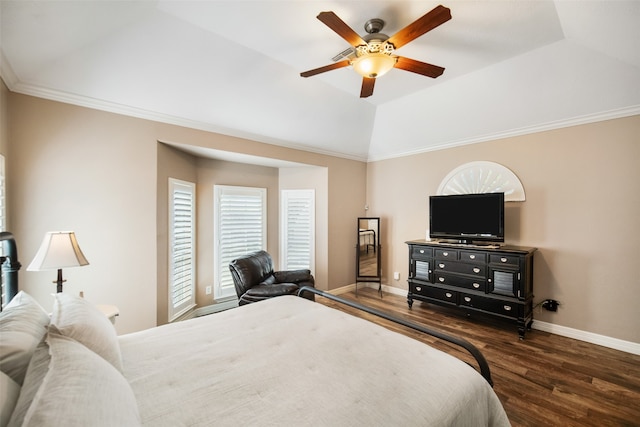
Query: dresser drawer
column 421, row 252
column 435, row 293
column 503, row 308
column 473, row 256
column 462, row 267
column 451, row 279
column 504, row 259
column 446, row 254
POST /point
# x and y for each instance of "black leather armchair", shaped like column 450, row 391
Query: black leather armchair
column 255, row 280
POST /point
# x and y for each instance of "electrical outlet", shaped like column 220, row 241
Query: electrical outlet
column 208, row 290
column 396, row 275
column 550, row 305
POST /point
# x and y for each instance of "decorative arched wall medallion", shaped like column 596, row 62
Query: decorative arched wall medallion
column 483, row 177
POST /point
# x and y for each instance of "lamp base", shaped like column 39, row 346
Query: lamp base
column 59, row 281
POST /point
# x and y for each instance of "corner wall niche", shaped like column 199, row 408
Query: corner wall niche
column 483, row 177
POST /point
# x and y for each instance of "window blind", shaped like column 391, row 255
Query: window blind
column 297, row 229
column 181, row 247
column 240, row 224
column 3, row 224
column 3, row 200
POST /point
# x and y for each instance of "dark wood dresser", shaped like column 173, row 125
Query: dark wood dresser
column 494, row 280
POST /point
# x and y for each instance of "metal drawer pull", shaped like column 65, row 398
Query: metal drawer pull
column 476, row 285
column 445, row 253
column 472, row 256
column 476, row 270
column 507, row 307
column 421, row 251
column 448, row 294
column 503, row 259
column 441, row 265
column 441, row 279
column 467, row 299
column 418, row 288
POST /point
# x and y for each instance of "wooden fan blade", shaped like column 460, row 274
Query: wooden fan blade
column 326, row 68
column 438, row 16
column 367, row 87
column 332, row 21
column 418, row 67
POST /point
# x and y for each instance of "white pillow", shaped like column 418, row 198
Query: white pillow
column 77, row 318
column 23, row 324
column 38, row 368
column 9, row 392
column 81, row 389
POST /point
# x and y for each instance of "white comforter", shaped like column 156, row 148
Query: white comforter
column 289, row 362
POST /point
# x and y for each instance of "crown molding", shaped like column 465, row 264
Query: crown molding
column 633, row 110
column 82, row 101
column 6, row 72
column 14, row 85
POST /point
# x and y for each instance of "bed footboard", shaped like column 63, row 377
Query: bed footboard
column 473, row 350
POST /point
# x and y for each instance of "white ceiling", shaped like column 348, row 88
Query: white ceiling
column 233, row 67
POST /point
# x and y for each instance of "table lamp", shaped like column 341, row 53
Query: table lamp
column 59, row 249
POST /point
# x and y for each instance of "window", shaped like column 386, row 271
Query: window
column 240, row 227
column 182, row 242
column 297, row 224
column 3, row 226
column 3, row 200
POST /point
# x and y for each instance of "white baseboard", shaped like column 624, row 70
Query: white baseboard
column 351, row 288
column 590, row 337
column 216, row 307
column 552, row 328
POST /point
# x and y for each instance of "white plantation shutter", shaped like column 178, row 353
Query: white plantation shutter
column 297, row 229
column 3, row 224
column 3, row 199
column 240, row 226
column 182, row 235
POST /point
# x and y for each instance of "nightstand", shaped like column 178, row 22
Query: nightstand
column 111, row 311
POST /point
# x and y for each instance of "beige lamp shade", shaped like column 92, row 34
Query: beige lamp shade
column 59, row 249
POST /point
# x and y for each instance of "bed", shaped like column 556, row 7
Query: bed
column 367, row 239
column 284, row 361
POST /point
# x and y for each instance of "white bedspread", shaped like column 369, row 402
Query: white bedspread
column 288, row 361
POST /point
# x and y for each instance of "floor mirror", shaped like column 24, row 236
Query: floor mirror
column 368, row 252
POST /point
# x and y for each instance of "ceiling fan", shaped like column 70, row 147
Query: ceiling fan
column 373, row 54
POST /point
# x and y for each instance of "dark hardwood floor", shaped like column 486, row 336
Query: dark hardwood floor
column 543, row 380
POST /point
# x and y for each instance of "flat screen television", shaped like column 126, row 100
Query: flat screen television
column 467, row 217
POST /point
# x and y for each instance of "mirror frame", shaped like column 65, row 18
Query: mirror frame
column 376, row 247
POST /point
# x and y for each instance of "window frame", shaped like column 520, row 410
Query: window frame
column 3, row 196
column 174, row 312
column 286, row 196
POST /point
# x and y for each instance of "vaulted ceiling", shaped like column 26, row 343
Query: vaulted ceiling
column 233, row 67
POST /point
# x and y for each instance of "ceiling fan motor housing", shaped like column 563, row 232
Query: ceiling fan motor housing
column 374, row 25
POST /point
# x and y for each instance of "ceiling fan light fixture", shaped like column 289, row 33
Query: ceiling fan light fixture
column 373, row 65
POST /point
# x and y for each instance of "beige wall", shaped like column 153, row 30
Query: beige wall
column 104, row 176
column 100, row 174
column 582, row 211
column 94, row 173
